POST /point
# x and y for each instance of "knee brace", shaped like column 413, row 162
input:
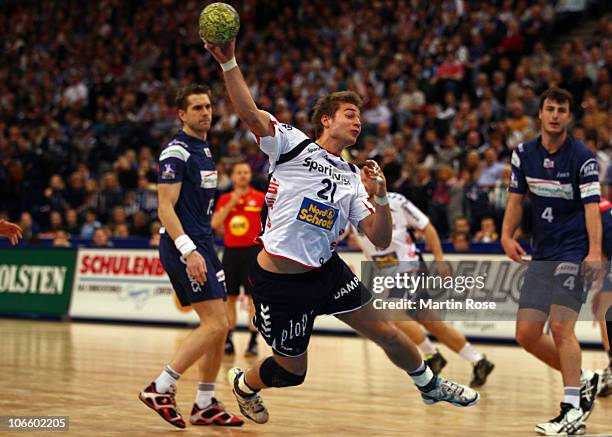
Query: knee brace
column 273, row 375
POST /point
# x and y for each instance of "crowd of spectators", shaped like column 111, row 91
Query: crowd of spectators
column 450, row 88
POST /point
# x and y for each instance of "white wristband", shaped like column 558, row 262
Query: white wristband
column 227, row 66
column 184, row 244
column 381, row 201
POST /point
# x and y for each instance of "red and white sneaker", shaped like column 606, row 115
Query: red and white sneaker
column 163, row 404
column 214, row 414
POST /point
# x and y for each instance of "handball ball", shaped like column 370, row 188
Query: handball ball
column 219, row 23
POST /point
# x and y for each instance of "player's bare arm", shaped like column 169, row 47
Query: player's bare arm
column 11, row 231
column 593, row 259
column 168, row 196
column 257, row 120
column 512, row 219
column 378, row 227
column 435, row 245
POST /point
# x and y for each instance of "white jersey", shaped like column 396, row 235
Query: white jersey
column 312, row 196
column 405, row 216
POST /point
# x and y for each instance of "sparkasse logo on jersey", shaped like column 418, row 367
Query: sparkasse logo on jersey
column 317, row 214
column 327, row 170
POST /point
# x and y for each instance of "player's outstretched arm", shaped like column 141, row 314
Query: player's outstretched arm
column 257, row 120
column 378, row 227
column 11, row 231
column 512, row 219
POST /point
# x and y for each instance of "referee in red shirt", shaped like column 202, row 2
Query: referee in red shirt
column 237, row 216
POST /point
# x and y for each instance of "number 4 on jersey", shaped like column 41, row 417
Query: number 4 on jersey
column 547, row 214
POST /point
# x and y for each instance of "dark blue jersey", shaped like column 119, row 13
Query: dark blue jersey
column 188, row 160
column 559, row 185
column 605, row 208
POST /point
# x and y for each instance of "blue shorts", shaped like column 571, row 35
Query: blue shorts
column 187, row 289
column 552, row 282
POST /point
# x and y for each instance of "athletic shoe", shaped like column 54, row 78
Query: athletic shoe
column 214, row 414
column 481, row 370
column 449, row 391
column 606, row 383
column 229, row 347
column 436, row 362
column 569, row 421
column 252, row 406
column 252, row 349
column 163, row 404
column 589, row 385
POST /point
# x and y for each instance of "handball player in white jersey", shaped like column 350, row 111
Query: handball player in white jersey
column 313, row 194
column 403, row 256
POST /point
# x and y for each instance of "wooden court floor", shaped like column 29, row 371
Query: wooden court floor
column 93, row 373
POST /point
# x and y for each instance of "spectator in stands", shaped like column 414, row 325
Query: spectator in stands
column 487, row 232
column 140, row 224
column 61, row 238
column 461, row 242
column 121, row 231
column 91, row 224
column 154, row 232
column 490, row 168
column 462, row 225
column 72, row 222
column 101, row 238
column 29, row 228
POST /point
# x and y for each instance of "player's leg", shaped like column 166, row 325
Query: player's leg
column 206, row 409
column 571, row 418
column 285, row 322
column 405, row 355
column 250, row 259
column 232, row 301
column 534, row 305
column 605, row 317
column 456, row 341
column 231, row 267
column 530, row 335
column 252, row 349
column 414, row 331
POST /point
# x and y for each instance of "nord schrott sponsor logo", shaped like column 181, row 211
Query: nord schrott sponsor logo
column 317, row 214
column 32, row 279
column 124, row 265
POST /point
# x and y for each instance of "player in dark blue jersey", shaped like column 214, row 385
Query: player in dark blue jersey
column 602, row 300
column 187, row 181
column 561, row 176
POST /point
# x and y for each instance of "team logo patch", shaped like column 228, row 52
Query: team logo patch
column 317, row 214
column 589, row 168
column 386, row 260
column 207, row 152
column 209, row 179
column 549, row 163
column 168, row 172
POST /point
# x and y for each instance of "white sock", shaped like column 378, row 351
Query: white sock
column 470, row 354
column 244, row 387
column 422, row 375
column 427, row 347
column 206, row 391
column 166, row 379
column 572, row 396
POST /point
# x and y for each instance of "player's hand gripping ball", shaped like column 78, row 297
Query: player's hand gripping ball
column 219, row 23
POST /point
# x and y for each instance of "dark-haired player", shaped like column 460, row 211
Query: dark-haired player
column 187, row 180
